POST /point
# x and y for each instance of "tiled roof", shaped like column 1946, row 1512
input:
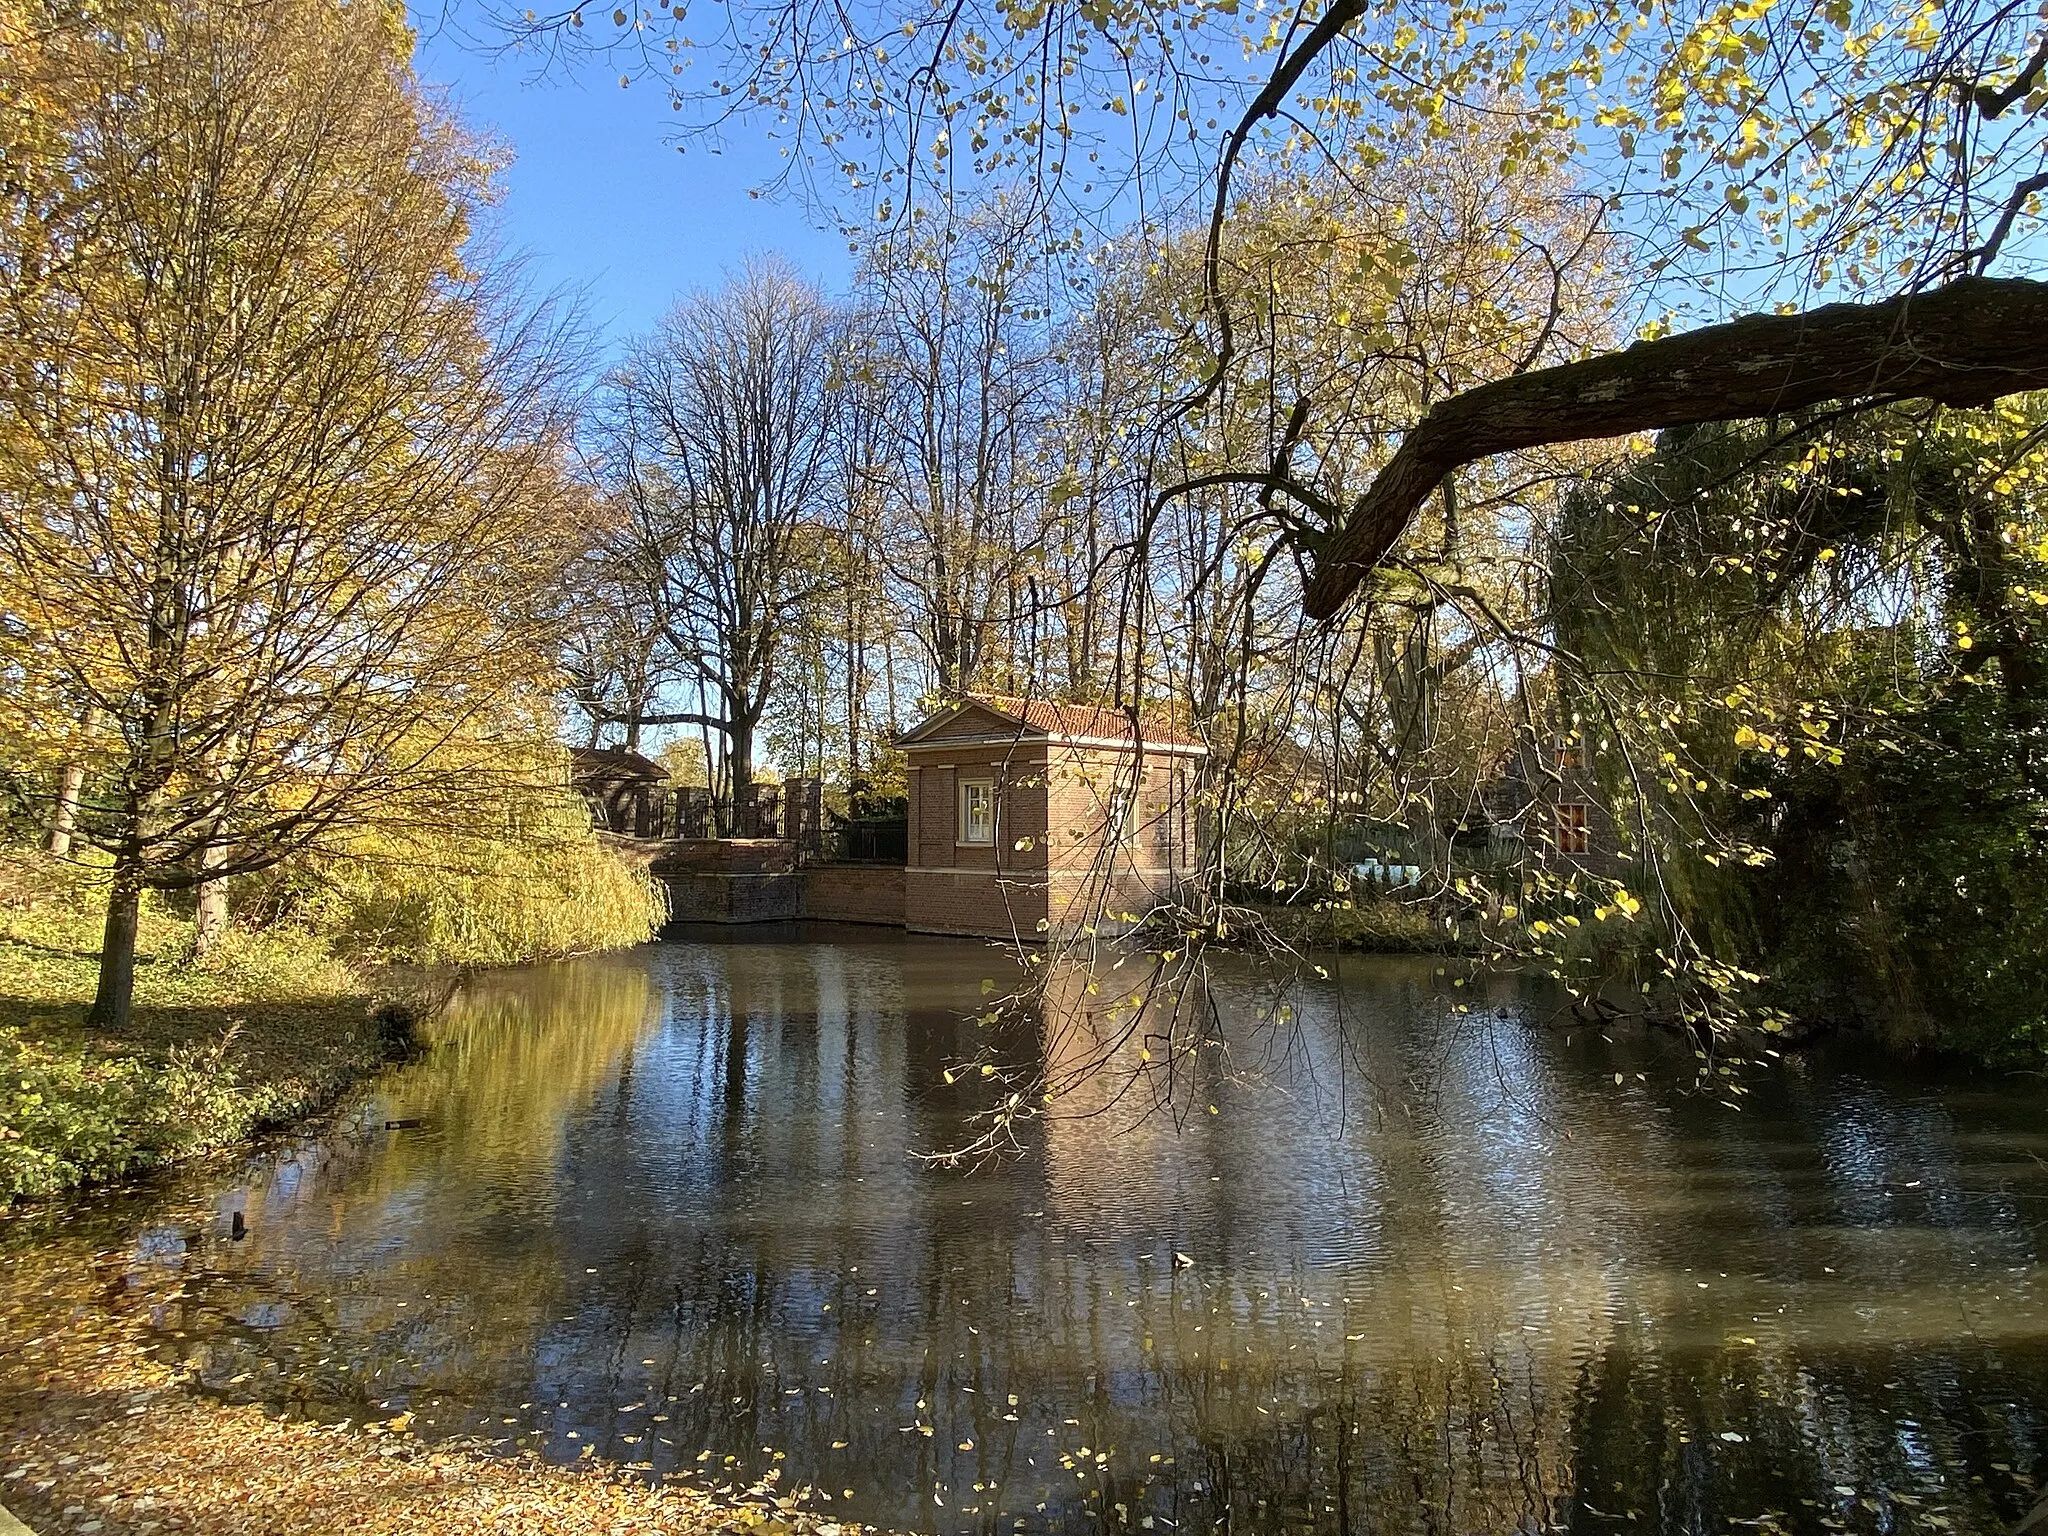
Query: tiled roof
column 613, row 762
column 1098, row 722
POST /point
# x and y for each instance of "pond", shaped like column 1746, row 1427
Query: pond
column 1377, row 1264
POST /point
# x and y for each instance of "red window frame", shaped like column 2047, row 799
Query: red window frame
column 1574, row 832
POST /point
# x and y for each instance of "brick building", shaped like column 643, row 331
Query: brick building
column 627, row 793
column 1027, row 815
column 1546, row 797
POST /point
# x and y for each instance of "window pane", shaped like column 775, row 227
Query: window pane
column 977, row 812
column 1572, row 834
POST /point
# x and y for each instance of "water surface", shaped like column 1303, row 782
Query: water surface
column 1375, row 1266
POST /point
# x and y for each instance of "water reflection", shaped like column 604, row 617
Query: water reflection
column 1418, row 1271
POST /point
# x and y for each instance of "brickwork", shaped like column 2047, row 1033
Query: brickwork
column 852, row 893
column 1086, row 791
column 1075, row 838
column 993, row 889
column 725, row 856
column 1554, row 793
column 1053, row 861
column 1077, row 828
column 1017, row 775
column 716, row 898
column 728, row 880
column 976, row 902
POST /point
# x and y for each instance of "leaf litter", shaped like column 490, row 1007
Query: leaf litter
column 99, row 1437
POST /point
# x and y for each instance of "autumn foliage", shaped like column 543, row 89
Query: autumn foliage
column 282, row 504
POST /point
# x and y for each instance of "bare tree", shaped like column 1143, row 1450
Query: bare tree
column 1750, row 159
column 717, row 442
column 958, row 352
column 613, row 656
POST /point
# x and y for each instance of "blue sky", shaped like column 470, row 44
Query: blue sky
column 599, row 200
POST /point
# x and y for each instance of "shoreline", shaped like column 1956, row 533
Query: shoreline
column 274, row 1026
column 185, row 1081
column 102, row 1436
column 269, row 1032
column 99, row 1437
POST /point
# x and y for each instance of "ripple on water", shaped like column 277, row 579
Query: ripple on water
column 1416, row 1270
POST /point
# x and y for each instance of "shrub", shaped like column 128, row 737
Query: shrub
column 1375, row 924
column 543, row 887
column 66, row 1117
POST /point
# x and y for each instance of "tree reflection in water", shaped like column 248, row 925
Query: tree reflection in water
column 1441, row 1272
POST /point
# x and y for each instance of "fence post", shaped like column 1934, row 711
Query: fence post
column 805, row 818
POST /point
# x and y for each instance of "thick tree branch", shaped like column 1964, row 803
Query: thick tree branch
column 666, row 717
column 1964, row 344
column 1992, row 100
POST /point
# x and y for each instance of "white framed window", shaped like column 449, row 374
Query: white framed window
column 978, row 812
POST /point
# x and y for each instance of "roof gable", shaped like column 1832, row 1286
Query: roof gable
column 982, row 717
column 968, row 719
column 613, row 763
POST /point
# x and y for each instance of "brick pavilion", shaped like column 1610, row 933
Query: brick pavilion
column 1028, row 815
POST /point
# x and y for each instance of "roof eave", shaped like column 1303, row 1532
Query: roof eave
column 1025, row 730
column 1038, row 737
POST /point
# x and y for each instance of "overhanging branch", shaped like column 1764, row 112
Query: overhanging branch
column 1966, row 343
column 660, row 717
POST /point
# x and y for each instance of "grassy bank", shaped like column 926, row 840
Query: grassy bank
column 278, row 1019
column 270, row 1028
column 100, row 1436
column 1373, row 925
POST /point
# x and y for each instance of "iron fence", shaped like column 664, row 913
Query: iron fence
column 868, row 841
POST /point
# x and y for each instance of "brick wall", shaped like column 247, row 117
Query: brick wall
column 852, row 893
column 1057, row 802
column 725, row 856
column 980, row 903
column 991, row 890
column 1084, row 787
column 714, row 898
column 1018, row 774
column 728, row 880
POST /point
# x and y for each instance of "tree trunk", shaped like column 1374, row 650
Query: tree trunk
column 1967, row 343
column 740, row 755
column 889, row 679
column 854, row 682
column 64, row 813
column 210, row 920
column 114, row 1002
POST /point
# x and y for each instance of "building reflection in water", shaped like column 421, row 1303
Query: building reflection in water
column 1418, row 1270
